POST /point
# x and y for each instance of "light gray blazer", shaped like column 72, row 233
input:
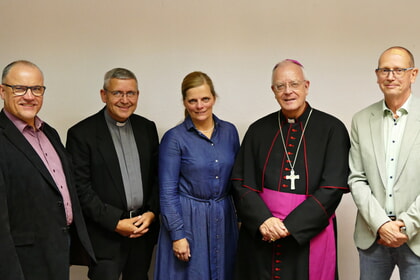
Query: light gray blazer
column 367, row 175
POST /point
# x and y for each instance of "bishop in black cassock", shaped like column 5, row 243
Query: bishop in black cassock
column 315, row 146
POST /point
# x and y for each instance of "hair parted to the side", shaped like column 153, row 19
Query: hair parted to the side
column 118, row 73
column 196, row 79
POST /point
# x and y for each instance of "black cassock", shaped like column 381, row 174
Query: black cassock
column 322, row 166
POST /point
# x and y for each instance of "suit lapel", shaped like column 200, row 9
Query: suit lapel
column 16, row 138
column 377, row 132
column 140, row 136
column 61, row 152
column 107, row 150
column 411, row 132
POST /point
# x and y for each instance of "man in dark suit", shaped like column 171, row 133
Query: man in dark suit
column 115, row 156
column 40, row 213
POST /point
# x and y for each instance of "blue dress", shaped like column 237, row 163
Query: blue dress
column 194, row 182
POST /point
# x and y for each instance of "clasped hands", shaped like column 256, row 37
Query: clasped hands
column 390, row 234
column 273, row 229
column 135, row 227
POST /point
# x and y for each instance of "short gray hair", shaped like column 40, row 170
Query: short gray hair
column 118, row 73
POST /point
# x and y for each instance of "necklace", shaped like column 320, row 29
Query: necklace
column 292, row 177
column 208, row 130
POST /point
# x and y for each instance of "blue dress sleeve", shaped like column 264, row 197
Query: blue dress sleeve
column 169, row 172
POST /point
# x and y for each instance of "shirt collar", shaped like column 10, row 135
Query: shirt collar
column 113, row 122
column 21, row 125
column 301, row 118
column 190, row 125
column 404, row 109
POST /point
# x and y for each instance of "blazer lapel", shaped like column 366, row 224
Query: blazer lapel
column 19, row 141
column 61, row 152
column 411, row 133
column 377, row 131
column 107, row 150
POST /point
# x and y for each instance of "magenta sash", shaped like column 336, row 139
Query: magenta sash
column 322, row 251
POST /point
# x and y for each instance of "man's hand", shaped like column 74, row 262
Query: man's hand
column 390, row 234
column 127, row 227
column 143, row 223
column 273, row 229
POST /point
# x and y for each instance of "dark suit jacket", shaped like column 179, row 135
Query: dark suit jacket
column 34, row 240
column 99, row 181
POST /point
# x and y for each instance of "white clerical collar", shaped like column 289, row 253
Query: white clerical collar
column 111, row 121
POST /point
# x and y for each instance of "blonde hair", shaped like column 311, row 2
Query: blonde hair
column 193, row 80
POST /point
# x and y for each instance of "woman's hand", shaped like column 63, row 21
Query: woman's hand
column 181, row 249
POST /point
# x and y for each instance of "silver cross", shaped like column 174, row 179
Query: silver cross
column 292, row 177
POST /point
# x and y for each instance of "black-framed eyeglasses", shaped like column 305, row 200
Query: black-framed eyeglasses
column 19, row 90
column 120, row 94
column 398, row 72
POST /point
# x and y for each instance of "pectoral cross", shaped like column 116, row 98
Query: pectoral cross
column 292, row 177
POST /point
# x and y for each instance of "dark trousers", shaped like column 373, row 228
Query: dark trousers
column 132, row 261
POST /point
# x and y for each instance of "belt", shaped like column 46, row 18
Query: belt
column 132, row 213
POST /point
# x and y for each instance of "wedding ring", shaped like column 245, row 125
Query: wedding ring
column 272, row 240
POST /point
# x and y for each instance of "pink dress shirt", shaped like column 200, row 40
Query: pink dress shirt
column 49, row 156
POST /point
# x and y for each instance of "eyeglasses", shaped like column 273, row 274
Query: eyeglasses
column 397, row 72
column 120, row 94
column 282, row 87
column 19, row 90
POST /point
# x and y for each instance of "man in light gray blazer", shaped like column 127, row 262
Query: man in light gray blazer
column 385, row 169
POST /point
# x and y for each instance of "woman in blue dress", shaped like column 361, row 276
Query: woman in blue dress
column 199, row 229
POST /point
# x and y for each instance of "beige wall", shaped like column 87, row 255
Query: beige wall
column 236, row 42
